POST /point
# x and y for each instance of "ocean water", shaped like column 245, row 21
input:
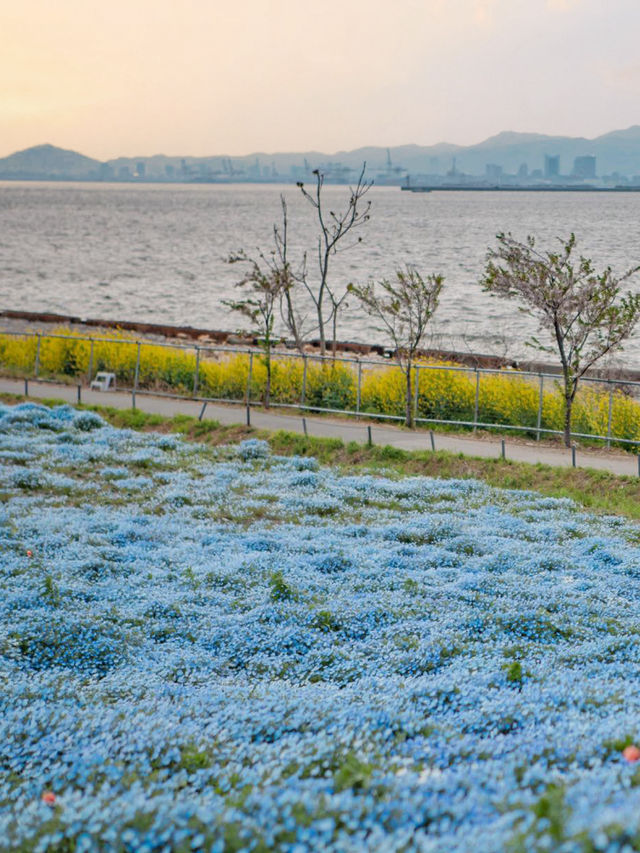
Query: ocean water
column 159, row 252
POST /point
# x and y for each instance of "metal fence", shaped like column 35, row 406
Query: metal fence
column 358, row 368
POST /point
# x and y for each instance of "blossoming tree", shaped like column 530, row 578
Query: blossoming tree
column 582, row 311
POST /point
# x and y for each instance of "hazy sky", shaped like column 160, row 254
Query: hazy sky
column 138, row 77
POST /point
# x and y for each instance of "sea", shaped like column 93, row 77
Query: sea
column 159, row 252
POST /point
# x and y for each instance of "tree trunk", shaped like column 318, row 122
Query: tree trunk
column 409, row 401
column 323, row 341
column 568, row 405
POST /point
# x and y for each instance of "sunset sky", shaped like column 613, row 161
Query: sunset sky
column 196, row 77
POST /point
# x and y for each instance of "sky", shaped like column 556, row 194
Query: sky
column 211, row 77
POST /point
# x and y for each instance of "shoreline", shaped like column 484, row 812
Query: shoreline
column 33, row 321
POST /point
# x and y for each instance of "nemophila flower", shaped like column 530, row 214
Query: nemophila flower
column 229, row 650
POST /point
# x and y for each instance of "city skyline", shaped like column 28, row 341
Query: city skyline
column 201, row 76
column 610, row 160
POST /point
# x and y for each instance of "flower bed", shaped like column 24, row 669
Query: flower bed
column 444, row 394
column 223, row 650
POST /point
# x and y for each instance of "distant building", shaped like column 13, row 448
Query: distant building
column 551, row 165
column 124, row 173
column 493, row 171
column 523, row 170
column 584, row 167
column 106, row 172
column 140, row 169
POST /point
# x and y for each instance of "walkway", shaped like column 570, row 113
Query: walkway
column 533, row 452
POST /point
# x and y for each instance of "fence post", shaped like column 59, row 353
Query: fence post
column 573, row 455
column 196, row 372
column 136, row 377
column 304, row 427
column 416, row 391
column 433, row 441
column 609, row 418
column 475, row 410
column 540, row 398
column 369, row 437
column 79, row 392
column 359, row 392
column 304, row 380
column 90, row 376
column 36, row 369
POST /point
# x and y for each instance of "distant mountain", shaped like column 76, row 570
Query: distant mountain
column 45, row 162
column 631, row 134
column 618, row 151
column 615, row 152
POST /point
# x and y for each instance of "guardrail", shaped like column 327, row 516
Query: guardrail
column 201, row 353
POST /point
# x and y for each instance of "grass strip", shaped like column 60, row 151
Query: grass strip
column 595, row 490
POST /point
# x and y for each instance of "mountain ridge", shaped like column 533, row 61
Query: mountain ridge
column 617, row 151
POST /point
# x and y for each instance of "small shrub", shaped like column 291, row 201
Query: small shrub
column 280, row 589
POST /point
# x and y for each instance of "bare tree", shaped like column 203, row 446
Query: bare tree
column 334, row 227
column 294, row 321
column 267, row 280
column 404, row 309
column 582, row 311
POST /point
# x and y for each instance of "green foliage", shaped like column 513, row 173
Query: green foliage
column 514, row 673
column 552, row 809
column 280, row 589
column 352, row 773
column 330, row 386
column 325, row 621
column 192, row 759
column 50, row 591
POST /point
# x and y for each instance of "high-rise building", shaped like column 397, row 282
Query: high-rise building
column 584, row 167
column 493, row 171
column 551, row 165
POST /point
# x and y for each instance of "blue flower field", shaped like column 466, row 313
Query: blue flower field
column 224, row 650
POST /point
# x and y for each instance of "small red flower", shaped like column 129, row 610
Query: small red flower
column 631, row 753
column 29, row 553
column 49, row 798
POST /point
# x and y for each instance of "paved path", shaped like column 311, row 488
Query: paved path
column 618, row 463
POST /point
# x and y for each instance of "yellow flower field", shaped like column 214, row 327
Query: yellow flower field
column 446, row 392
